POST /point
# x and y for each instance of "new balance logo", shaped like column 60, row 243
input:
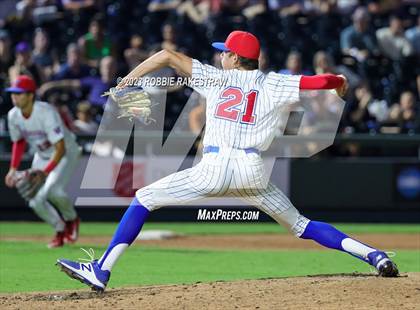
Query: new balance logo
column 87, row 267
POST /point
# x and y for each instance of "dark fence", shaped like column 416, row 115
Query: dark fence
column 326, row 186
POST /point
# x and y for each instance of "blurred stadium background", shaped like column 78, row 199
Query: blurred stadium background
column 75, row 50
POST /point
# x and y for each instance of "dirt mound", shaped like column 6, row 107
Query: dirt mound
column 353, row 291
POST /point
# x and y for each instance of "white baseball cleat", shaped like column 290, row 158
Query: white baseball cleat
column 88, row 273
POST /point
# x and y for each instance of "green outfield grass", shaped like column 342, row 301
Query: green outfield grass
column 205, row 228
column 29, row 266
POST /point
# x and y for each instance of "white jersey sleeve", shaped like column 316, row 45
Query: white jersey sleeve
column 14, row 130
column 284, row 87
column 53, row 126
column 203, row 77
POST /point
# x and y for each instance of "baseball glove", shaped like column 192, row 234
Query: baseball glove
column 29, row 182
column 133, row 102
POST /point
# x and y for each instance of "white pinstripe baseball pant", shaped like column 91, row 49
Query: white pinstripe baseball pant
column 230, row 172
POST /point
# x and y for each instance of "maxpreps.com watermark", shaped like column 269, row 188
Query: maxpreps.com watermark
column 222, row 215
column 171, row 81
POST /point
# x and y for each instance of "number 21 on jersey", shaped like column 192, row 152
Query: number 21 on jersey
column 231, row 107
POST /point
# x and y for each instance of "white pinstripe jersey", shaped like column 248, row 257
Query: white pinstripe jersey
column 41, row 130
column 242, row 110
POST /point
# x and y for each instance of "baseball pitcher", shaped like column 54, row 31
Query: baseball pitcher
column 242, row 115
column 56, row 155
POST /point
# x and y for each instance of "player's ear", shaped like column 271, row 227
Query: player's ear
column 235, row 59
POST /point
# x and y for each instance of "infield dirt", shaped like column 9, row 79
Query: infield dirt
column 347, row 291
column 357, row 291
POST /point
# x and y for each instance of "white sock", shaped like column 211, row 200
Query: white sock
column 108, row 261
column 356, row 248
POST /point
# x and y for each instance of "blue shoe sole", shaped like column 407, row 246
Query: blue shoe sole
column 78, row 277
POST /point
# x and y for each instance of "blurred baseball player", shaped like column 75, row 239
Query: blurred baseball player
column 241, row 118
column 56, row 155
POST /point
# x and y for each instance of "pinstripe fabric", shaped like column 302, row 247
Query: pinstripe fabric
column 231, row 171
column 274, row 90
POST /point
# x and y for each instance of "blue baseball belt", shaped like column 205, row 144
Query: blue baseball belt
column 215, row 149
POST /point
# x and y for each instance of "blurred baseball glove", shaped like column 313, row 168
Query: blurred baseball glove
column 133, row 102
column 29, row 182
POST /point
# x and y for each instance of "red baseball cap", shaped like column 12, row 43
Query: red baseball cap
column 23, row 84
column 243, row 43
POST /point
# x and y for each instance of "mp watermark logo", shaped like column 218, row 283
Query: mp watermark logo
column 227, row 215
column 304, row 129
